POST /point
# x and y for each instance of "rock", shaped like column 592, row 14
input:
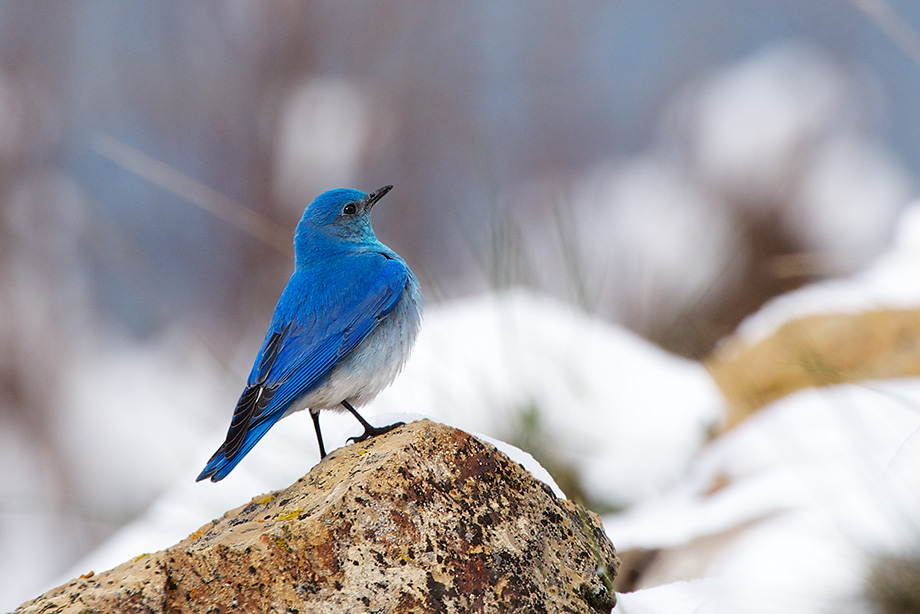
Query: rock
column 425, row 518
column 818, row 350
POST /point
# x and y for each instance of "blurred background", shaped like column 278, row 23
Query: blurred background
column 667, row 167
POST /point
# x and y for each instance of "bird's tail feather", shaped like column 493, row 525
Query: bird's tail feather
column 220, row 464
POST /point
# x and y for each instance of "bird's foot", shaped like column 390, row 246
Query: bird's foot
column 372, row 431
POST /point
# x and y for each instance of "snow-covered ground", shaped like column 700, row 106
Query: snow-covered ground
column 790, row 510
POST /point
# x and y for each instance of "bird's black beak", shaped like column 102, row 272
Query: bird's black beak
column 376, row 195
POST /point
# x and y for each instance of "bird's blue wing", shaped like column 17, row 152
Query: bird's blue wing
column 318, row 320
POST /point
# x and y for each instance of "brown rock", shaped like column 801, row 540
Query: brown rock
column 424, row 519
column 816, row 350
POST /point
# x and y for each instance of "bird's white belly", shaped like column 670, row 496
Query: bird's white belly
column 374, row 363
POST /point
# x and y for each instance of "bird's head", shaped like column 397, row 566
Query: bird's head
column 336, row 217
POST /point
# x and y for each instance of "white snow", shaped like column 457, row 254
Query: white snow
column 690, row 597
column 142, row 407
column 788, row 509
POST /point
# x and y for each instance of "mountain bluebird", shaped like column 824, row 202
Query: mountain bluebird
column 341, row 331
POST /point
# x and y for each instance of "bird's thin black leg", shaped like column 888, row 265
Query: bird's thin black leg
column 369, row 429
column 319, row 435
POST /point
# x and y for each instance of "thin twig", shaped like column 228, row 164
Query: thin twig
column 195, row 192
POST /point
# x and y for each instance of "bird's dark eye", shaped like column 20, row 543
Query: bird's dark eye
column 350, row 209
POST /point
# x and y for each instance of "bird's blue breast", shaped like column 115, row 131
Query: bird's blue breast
column 327, row 309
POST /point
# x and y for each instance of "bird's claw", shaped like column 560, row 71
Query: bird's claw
column 374, row 431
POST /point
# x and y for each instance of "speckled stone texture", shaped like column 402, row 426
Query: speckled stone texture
column 426, row 518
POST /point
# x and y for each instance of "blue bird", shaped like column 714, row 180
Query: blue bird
column 341, row 332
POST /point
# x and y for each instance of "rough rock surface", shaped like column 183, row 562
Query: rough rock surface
column 816, row 350
column 425, row 518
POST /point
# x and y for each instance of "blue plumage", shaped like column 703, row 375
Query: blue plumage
column 341, row 331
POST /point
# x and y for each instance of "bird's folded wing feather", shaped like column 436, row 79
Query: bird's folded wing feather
column 301, row 347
